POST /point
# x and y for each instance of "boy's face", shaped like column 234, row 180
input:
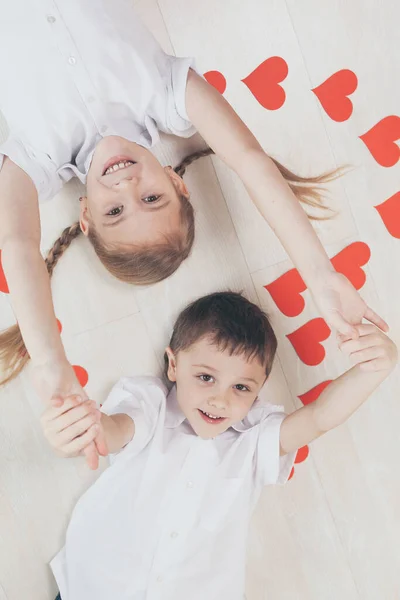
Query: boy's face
column 136, row 204
column 211, row 383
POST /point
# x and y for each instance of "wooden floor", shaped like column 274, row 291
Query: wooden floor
column 332, row 533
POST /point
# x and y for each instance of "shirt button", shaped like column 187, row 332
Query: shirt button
column 90, row 99
column 159, row 579
column 72, row 60
column 51, row 19
column 174, row 535
column 103, row 129
column 189, row 484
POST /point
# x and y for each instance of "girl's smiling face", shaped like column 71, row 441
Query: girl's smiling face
column 214, row 388
column 131, row 199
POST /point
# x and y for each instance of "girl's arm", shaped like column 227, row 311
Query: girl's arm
column 30, row 292
column 376, row 356
column 232, row 141
column 24, row 267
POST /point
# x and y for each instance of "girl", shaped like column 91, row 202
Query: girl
column 85, row 89
column 169, row 518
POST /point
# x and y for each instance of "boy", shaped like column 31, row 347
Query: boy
column 169, row 518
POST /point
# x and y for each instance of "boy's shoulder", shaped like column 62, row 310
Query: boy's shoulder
column 144, row 382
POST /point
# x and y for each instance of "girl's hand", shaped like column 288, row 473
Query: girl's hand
column 373, row 350
column 342, row 307
column 56, row 381
column 71, row 426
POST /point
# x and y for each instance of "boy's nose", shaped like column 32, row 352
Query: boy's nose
column 219, row 402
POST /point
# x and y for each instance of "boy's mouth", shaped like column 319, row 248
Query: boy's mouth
column 209, row 418
column 117, row 163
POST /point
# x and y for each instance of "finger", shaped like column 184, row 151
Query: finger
column 363, row 342
column 76, row 430
column 367, row 355
column 374, row 318
column 82, row 442
column 342, row 326
column 101, row 443
column 92, row 457
column 57, row 402
column 378, row 364
column 74, row 415
column 69, row 402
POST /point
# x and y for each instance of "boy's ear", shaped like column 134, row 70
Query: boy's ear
column 178, row 182
column 171, row 371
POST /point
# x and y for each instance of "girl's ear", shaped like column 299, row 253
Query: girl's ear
column 83, row 218
column 171, row 371
column 178, row 182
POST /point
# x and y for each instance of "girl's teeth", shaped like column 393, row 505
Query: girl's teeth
column 118, row 166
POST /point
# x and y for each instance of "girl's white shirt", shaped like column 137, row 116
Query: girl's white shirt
column 168, row 520
column 74, row 71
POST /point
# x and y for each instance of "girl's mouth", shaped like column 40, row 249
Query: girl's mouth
column 209, row 418
column 116, row 164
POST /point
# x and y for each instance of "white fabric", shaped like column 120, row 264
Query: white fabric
column 169, row 519
column 73, row 71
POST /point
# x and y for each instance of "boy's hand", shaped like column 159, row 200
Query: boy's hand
column 70, row 426
column 373, row 350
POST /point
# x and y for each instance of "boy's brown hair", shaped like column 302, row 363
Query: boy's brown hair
column 231, row 322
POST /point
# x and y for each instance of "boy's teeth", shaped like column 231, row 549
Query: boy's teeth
column 211, row 416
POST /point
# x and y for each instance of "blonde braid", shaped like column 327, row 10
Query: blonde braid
column 13, row 353
column 181, row 168
column 306, row 189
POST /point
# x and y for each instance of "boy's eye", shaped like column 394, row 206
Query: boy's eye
column 151, row 199
column 115, row 212
column 242, row 388
column 205, row 378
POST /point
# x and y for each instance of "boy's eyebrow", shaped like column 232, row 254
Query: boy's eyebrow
column 211, row 369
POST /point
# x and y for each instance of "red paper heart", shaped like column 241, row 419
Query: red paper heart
column 81, row 374
column 216, row 79
column 291, row 474
column 333, row 93
column 315, row 392
column 381, row 141
column 3, row 282
column 59, row 326
column 302, row 454
column 390, row 214
column 349, row 262
column 307, row 341
column 264, row 81
column 285, row 292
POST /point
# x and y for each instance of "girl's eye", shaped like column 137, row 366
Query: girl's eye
column 242, row 388
column 115, row 212
column 151, row 199
column 205, row 378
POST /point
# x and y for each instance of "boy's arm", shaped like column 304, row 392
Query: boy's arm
column 24, row 267
column 233, row 142
column 118, row 430
column 346, row 394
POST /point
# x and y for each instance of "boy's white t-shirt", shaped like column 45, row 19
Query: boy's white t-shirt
column 74, row 71
column 168, row 520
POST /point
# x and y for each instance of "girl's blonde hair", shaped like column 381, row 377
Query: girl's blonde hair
column 149, row 264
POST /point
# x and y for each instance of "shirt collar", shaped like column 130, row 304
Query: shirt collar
column 175, row 417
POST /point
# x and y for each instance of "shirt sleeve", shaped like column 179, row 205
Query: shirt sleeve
column 168, row 108
column 38, row 166
column 271, row 468
column 142, row 399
